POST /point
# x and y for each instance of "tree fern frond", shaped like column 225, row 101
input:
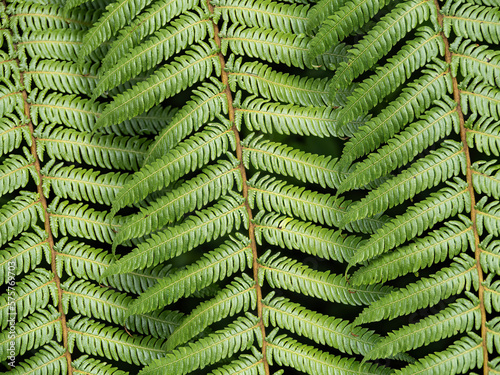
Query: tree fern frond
column 82, row 184
column 285, row 160
column 490, row 255
column 425, row 292
column 463, row 355
column 448, row 201
column 19, row 215
column 436, row 124
column 289, row 233
column 488, row 217
column 110, row 342
column 340, row 24
column 486, row 178
column 286, row 351
column 475, row 22
column 462, row 315
column 493, row 338
column 213, row 182
column 12, row 133
column 92, row 366
column 393, row 27
column 427, row 172
column 245, row 365
column 116, row 15
column 105, row 151
column 320, row 12
column 270, row 117
column 446, row 242
column 260, row 79
column 159, row 14
column 15, row 173
column 197, row 64
column 289, row 18
column 48, row 360
column 416, row 53
column 9, row 70
column 188, row 156
column 232, row 256
column 491, row 295
column 322, row 329
column 480, row 98
column 32, row 332
column 188, row 29
column 62, row 76
column 237, row 336
column 26, row 252
column 238, row 296
column 483, row 133
column 204, row 226
column 79, row 220
column 289, row 274
column 277, row 47
column 415, row 98
column 10, row 100
column 478, row 61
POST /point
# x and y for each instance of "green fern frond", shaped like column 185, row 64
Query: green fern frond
column 205, row 225
column 107, row 341
column 237, row 336
column 245, row 365
column 484, row 134
column 488, row 217
column 480, row 98
column 289, row 18
column 49, row 360
column 320, row 12
column 15, row 173
column 289, row 274
column 486, row 178
column 490, row 255
column 12, row 133
column 238, row 296
column 425, row 292
column 491, row 295
column 446, row 242
column 86, row 365
column 493, row 335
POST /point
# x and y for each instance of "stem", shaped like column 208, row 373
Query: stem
column 463, row 137
column 251, row 225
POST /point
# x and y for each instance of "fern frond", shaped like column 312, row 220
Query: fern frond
column 48, row 360
column 11, row 100
column 493, row 338
column 110, row 342
column 486, row 178
column 416, row 53
column 289, row 18
column 286, row 351
column 270, row 117
column 260, row 79
column 490, row 255
column 105, row 151
column 393, row 27
column 320, row 12
column 239, row 295
column 213, row 182
column 92, row 366
column 116, row 15
column 415, row 98
column 19, row 215
column 232, row 256
column 188, row 156
column 475, row 22
column 322, row 329
column 236, row 337
column 447, row 202
column 159, row 14
column 61, row 76
column 289, row 274
column 484, row 134
column 15, row 173
column 427, row 172
column 479, row 61
column 277, row 47
column 289, row 233
column 32, row 332
column 463, row 355
column 446, row 242
column 197, row 64
column 462, row 315
column 61, row 44
column 279, row 158
column 12, row 133
column 188, row 29
column 491, row 295
column 82, row 184
column 245, row 365
column 488, row 217
column 480, row 98
column 436, row 124
column 79, row 220
column 340, row 24
column 204, row 226
column 425, row 292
